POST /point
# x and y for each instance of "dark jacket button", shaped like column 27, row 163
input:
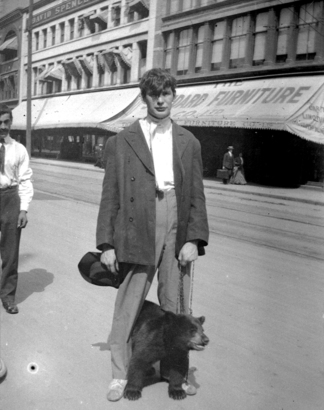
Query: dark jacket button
column 132, row 199
column 132, row 179
column 131, row 219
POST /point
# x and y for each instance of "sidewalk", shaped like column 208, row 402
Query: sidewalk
column 305, row 193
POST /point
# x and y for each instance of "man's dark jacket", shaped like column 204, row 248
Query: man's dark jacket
column 228, row 161
column 126, row 217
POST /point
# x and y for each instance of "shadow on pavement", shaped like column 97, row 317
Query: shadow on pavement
column 33, row 281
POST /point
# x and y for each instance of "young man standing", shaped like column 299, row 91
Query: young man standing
column 152, row 215
column 16, row 192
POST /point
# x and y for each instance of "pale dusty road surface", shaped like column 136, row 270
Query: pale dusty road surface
column 260, row 287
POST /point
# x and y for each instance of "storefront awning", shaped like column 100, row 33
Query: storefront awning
column 138, row 5
column 75, row 111
column 55, row 73
column 11, row 44
column 293, row 104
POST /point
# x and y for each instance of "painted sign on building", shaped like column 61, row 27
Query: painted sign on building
column 60, row 10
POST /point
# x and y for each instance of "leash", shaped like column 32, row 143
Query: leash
column 181, row 299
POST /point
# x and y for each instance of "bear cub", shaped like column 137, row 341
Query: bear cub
column 165, row 336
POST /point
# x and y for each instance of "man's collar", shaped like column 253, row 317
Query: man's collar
column 7, row 139
column 165, row 122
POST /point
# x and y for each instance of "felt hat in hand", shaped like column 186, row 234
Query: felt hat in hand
column 96, row 273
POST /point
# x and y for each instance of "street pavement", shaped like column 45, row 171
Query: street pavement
column 263, row 307
column 311, row 194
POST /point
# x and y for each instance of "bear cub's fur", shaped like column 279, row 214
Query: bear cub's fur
column 166, row 336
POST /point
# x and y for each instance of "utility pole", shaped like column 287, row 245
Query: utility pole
column 29, row 77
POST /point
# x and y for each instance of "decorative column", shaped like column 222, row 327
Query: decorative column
column 193, row 50
column 292, row 37
column 95, row 75
column 249, row 45
column 135, row 63
column 272, row 38
column 319, row 35
column 206, row 58
column 123, row 19
column 227, row 46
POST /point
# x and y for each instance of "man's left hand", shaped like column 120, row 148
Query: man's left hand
column 22, row 219
column 188, row 253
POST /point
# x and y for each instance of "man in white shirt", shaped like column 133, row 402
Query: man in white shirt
column 16, row 192
column 152, row 216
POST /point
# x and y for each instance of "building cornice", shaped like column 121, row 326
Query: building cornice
column 11, row 17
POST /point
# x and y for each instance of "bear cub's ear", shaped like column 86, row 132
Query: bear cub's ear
column 201, row 319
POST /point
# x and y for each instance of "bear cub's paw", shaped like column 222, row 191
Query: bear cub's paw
column 132, row 393
column 177, row 393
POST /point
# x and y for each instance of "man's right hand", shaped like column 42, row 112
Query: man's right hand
column 109, row 259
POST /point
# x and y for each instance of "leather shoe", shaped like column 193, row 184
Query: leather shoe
column 10, row 307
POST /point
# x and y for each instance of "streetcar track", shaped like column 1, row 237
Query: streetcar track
column 264, row 245
column 263, row 214
column 65, row 197
column 275, row 231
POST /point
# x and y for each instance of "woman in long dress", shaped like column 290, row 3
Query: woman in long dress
column 238, row 177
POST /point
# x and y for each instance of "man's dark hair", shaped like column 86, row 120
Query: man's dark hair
column 4, row 109
column 156, row 80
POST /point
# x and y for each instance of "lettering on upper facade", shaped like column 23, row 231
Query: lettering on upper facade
column 60, row 10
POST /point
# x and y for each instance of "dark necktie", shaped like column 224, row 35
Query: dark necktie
column 2, row 156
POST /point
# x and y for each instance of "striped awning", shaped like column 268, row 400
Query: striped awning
column 87, row 65
column 88, row 110
column 126, row 55
column 139, row 6
column 100, row 18
column 55, row 73
column 11, row 44
column 72, row 67
column 41, row 73
column 111, row 59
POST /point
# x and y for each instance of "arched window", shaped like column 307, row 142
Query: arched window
column 9, row 47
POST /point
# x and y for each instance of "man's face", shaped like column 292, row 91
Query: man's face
column 159, row 106
column 5, row 125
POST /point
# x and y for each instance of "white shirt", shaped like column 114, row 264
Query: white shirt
column 158, row 135
column 17, row 171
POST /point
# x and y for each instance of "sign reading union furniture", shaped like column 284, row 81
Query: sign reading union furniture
column 60, row 10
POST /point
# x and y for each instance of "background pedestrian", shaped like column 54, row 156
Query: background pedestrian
column 16, row 192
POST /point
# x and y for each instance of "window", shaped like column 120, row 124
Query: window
column 68, row 82
column 37, row 41
column 168, row 50
column 80, row 26
column 53, row 32
column 309, row 15
column 285, row 19
column 260, row 37
column 78, row 82
column 10, row 47
column 188, row 4
column 174, row 6
column 184, row 51
column 115, row 15
column 238, row 41
column 199, row 45
column 45, row 38
column 34, row 81
column 103, row 19
column 71, row 28
column 62, row 29
column 217, row 45
column 130, row 16
column 143, row 52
